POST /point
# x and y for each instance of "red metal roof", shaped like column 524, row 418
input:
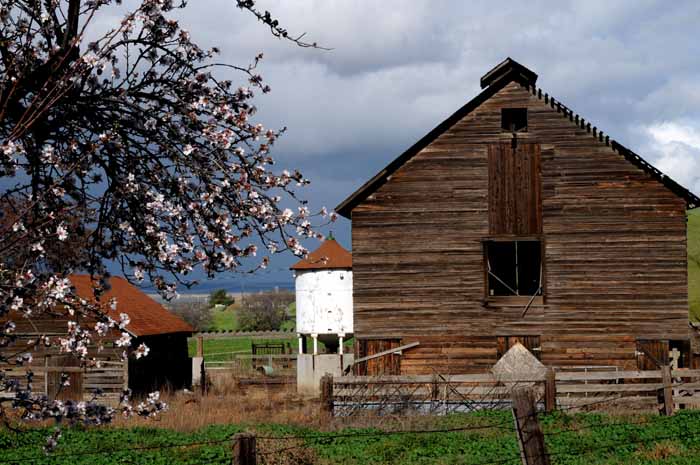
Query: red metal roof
column 148, row 317
column 329, row 255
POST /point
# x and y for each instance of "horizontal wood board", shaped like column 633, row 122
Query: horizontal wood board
column 614, row 245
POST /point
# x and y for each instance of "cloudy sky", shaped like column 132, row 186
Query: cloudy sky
column 398, row 68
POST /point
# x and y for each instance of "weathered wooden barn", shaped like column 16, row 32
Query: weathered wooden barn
column 167, row 364
column 517, row 220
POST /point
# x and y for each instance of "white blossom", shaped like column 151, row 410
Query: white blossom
column 142, row 351
column 123, row 341
column 61, row 232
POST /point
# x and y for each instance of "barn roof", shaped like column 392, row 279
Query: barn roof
column 148, row 317
column 503, row 74
column 329, row 255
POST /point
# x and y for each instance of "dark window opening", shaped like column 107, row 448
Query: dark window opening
column 679, row 353
column 514, row 268
column 514, row 119
column 653, row 354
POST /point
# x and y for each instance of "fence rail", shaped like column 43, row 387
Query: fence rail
column 246, row 334
column 241, row 365
column 350, row 395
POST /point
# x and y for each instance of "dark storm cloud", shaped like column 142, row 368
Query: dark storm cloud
column 398, row 68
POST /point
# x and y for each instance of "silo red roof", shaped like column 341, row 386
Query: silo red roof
column 147, row 316
column 329, row 255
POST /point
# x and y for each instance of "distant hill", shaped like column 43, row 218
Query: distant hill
column 694, row 263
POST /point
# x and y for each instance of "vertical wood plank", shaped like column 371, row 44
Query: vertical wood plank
column 667, row 395
column 200, row 346
column 244, row 449
column 550, row 391
column 327, row 394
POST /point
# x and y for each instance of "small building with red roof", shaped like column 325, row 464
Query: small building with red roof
column 165, row 335
column 323, row 283
column 163, row 332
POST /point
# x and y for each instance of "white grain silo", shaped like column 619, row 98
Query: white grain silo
column 323, row 283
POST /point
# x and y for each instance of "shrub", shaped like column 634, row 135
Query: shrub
column 265, row 311
column 197, row 314
column 220, row 297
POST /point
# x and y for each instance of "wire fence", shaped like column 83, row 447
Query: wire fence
column 279, row 448
column 284, row 446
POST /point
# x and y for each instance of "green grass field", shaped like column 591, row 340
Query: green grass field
column 594, row 439
column 694, row 263
column 225, row 320
column 221, row 349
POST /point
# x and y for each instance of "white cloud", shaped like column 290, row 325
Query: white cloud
column 676, row 147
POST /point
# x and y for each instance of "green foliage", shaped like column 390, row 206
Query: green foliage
column 694, row 263
column 220, row 297
column 78, row 446
column 578, row 439
column 225, row 319
column 197, row 314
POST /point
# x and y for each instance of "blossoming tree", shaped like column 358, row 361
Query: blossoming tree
column 131, row 150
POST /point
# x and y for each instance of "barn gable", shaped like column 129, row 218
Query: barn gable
column 507, row 72
column 595, row 236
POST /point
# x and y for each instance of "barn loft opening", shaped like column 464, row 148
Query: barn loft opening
column 514, row 119
column 514, row 268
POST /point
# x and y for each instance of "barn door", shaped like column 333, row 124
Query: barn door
column 515, row 200
column 385, row 365
column 53, row 378
column 652, row 354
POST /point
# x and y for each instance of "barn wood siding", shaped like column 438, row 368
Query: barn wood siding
column 515, row 206
column 614, row 244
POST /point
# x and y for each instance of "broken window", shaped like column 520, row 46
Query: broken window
column 514, row 268
column 514, row 119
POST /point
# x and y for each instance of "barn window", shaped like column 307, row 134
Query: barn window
column 514, row 268
column 514, row 119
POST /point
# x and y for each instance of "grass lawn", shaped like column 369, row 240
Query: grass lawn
column 694, row 263
column 579, row 439
column 226, row 345
column 225, row 320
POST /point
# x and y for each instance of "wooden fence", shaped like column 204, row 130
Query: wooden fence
column 672, row 389
column 109, row 379
column 244, row 365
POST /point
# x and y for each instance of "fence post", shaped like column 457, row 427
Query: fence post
column 667, row 395
column 327, row 394
column 527, row 427
column 200, row 346
column 203, row 378
column 125, row 368
column 244, row 449
column 550, row 391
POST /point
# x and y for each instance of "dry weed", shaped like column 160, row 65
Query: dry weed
column 230, row 403
column 661, row 451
